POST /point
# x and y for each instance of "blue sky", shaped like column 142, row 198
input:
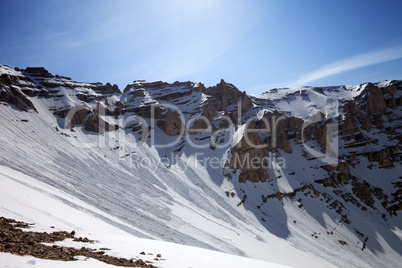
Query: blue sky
column 254, row 44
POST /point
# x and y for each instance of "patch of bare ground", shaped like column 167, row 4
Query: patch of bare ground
column 17, row 241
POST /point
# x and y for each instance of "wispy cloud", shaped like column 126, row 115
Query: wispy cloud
column 352, row 63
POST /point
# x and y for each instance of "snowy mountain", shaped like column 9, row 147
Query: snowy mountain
column 303, row 177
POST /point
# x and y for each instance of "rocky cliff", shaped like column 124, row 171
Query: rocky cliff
column 326, row 151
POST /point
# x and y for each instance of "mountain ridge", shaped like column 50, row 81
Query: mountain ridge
column 321, row 153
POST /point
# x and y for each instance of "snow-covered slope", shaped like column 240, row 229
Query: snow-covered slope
column 118, row 158
column 24, row 198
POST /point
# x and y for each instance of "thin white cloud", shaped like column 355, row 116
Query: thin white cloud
column 352, row 63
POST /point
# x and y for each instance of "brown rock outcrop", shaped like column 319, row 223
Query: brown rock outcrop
column 171, row 123
column 12, row 94
column 14, row 240
column 227, row 94
column 251, row 160
column 362, row 191
column 77, row 116
column 108, row 89
column 37, row 71
column 95, row 123
column 385, row 157
column 374, row 100
column 338, row 174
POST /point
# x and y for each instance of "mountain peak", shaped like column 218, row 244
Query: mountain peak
column 217, row 168
column 38, row 71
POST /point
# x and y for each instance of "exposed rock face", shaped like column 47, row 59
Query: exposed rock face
column 362, row 191
column 366, row 124
column 227, row 94
column 90, row 119
column 108, row 89
column 18, row 241
column 385, row 157
column 38, row 71
column 354, row 121
column 278, row 129
column 338, row 174
column 205, row 119
column 284, row 128
column 220, row 100
column 374, row 100
column 246, row 102
column 249, row 159
column 173, row 96
column 171, row 123
column 77, row 116
column 95, row 123
column 201, row 123
column 12, row 94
